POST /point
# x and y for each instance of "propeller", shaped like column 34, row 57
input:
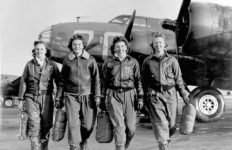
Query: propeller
column 91, row 45
column 181, row 25
column 184, row 7
column 57, row 59
column 130, row 26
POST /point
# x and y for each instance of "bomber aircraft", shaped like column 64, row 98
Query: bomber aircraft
column 200, row 37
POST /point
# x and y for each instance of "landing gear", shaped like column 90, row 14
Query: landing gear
column 209, row 103
column 8, row 102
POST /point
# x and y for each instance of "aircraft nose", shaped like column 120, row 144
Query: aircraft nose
column 45, row 35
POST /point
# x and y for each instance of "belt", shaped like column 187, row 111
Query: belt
column 162, row 87
column 35, row 96
column 41, row 92
column 121, row 89
column 74, row 94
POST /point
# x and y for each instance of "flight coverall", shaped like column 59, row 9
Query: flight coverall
column 80, row 84
column 161, row 77
column 36, row 89
column 122, row 88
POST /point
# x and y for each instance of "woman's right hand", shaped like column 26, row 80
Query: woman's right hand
column 21, row 105
column 59, row 104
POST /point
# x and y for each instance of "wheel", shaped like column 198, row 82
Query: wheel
column 1, row 100
column 8, row 102
column 209, row 103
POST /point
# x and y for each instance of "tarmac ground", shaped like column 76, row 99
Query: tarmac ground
column 206, row 136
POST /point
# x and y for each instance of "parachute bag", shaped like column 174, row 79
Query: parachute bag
column 187, row 119
column 104, row 129
column 59, row 126
column 23, row 126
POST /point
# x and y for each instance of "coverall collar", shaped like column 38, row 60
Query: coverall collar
column 117, row 59
column 37, row 63
column 163, row 57
column 45, row 65
column 84, row 55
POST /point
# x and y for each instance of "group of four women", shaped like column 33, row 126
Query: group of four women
column 124, row 91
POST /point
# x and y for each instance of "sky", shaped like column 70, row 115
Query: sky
column 21, row 21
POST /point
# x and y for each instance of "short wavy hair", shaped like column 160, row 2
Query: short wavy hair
column 156, row 35
column 48, row 50
column 77, row 37
column 119, row 39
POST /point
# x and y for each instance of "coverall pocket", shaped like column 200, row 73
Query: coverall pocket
column 169, row 72
column 170, row 75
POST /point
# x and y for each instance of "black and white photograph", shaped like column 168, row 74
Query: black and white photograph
column 116, row 75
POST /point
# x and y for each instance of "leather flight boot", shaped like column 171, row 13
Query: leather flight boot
column 73, row 148
column 172, row 131
column 120, row 147
column 44, row 139
column 35, row 143
column 44, row 145
column 35, row 147
column 127, row 144
column 163, row 146
column 84, row 146
column 128, row 140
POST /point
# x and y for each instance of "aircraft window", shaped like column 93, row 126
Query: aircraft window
column 120, row 19
column 45, row 35
column 61, row 36
column 126, row 19
column 139, row 22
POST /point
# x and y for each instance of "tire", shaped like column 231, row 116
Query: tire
column 209, row 103
column 1, row 101
column 8, row 102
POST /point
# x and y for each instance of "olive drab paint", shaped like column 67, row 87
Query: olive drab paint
column 187, row 119
column 104, row 132
column 23, row 126
column 59, row 126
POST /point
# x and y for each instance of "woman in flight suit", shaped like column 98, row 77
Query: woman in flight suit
column 35, row 95
column 161, row 76
column 123, row 91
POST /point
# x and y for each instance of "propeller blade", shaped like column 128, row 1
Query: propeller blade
column 57, row 59
column 183, row 9
column 130, row 26
column 181, row 25
column 91, row 45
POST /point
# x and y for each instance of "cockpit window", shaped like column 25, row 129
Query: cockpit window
column 120, row 19
column 45, row 35
column 139, row 22
column 125, row 19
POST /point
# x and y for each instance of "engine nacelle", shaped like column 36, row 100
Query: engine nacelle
column 210, row 30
